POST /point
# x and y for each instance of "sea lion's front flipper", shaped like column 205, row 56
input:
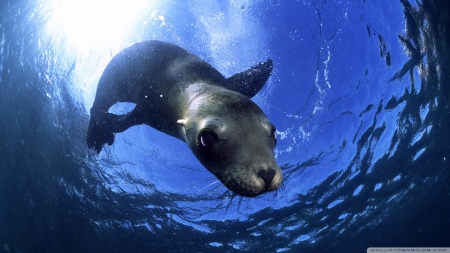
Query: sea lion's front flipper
column 103, row 126
column 101, row 130
column 250, row 82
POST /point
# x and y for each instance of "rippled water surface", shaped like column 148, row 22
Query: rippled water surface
column 359, row 95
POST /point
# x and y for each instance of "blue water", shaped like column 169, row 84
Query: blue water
column 359, row 95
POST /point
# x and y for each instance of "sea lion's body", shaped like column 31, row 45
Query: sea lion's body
column 181, row 95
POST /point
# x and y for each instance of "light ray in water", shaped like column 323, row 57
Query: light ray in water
column 90, row 33
column 92, row 24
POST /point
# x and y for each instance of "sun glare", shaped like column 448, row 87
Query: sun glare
column 87, row 24
column 92, row 31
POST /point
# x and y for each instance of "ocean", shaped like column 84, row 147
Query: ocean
column 359, row 95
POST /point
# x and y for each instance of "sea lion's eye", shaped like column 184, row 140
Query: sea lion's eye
column 273, row 134
column 207, row 138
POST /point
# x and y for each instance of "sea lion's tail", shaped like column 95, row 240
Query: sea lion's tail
column 101, row 130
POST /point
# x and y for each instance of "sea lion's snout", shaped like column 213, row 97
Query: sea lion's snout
column 267, row 176
column 251, row 182
column 267, row 179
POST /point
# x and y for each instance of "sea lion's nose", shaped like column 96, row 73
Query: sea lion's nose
column 267, row 176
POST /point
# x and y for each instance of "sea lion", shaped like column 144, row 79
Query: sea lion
column 181, row 95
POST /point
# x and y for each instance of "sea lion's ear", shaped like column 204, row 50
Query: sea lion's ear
column 250, row 82
column 181, row 122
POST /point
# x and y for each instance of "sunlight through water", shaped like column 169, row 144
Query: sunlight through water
column 92, row 32
column 90, row 24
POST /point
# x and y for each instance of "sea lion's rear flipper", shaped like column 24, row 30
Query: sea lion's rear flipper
column 250, row 82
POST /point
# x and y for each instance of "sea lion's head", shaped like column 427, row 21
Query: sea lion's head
column 233, row 138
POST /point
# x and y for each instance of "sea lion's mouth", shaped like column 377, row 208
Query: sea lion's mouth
column 249, row 183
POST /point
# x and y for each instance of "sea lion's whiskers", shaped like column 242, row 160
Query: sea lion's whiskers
column 220, row 200
column 213, row 183
column 202, row 181
column 231, row 200
column 222, row 196
column 240, row 202
column 279, row 192
column 215, row 188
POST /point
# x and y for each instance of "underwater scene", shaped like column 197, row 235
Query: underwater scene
column 358, row 93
